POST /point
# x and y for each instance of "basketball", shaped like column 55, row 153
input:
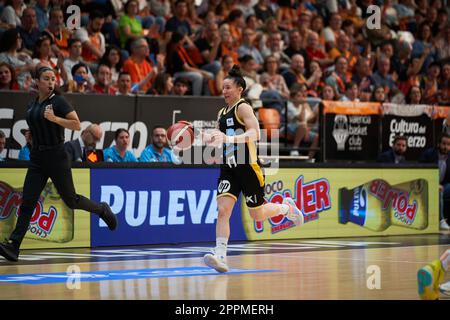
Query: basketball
column 181, row 135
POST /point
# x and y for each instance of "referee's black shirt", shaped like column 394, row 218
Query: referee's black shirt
column 43, row 131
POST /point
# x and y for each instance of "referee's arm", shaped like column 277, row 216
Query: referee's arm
column 71, row 120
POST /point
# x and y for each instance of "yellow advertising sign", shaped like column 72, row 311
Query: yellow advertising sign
column 53, row 224
column 350, row 202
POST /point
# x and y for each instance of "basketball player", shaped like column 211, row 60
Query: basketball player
column 47, row 116
column 238, row 130
column 430, row 276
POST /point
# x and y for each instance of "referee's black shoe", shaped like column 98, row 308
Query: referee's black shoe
column 9, row 250
column 108, row 216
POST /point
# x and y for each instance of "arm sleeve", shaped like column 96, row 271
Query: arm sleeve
column 62, row 107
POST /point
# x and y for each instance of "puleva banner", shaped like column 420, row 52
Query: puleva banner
column 350, row 202
column 168, row 205
column 53, row 224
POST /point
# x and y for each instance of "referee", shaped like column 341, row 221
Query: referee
column 47, row 116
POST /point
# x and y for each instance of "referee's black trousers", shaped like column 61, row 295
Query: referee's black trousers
column 53, row 163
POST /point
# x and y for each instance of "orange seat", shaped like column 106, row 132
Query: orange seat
column 270, row 119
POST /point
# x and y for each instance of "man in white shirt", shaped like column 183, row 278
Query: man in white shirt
column 75, row 48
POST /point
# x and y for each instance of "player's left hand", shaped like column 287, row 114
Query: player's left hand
column 49, row 114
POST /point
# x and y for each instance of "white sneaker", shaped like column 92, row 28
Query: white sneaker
column 443, row 225
column 445, row 288
column 294, row 214
column 213, row 261
column 294, row 153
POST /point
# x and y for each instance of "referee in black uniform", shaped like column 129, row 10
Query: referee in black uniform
column 47, row 116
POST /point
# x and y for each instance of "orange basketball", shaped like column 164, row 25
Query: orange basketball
column 181, row 135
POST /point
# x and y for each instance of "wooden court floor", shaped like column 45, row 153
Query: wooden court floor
column 369, row 268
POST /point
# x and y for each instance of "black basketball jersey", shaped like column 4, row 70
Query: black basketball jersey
column 43, row 131
column 236, row 153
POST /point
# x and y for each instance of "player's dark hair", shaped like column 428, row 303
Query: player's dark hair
column 235, row 74
column 119, row 131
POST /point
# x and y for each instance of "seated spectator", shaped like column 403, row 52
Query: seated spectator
column 162, row 85
column 414, row 95
column 248, row 47
column 343, row 48
column 77, row 149
column 444, row 85
column 24, row 153
column 119, row 152
column 179, row 22
column 302, row 121
column 314, row 81
column 443, row 43
column 92, row 39
column 263, row 11
column 124, row 84
column 209, row 46
column 8, row 80
column 340, row 77
column 75, row 48
column 329, row 93
column 378, row 95
column 272, row 79
column 430, row 83
column 236, row 23
column 12, row 13
column 383, row 77
column 130, row 27
column 440, row 156
column 180, row 87
column 103, row 81
column 227, row 64
column 228, row 46
column 274, row 46
column 29, row 31
column 396, row 154
column 58, row 33
column 113, row 59
column 2, row 146
column 296, row 72
column 351, row 92
column 333, row 31
column 286, row 15
column 44, row 55
column 180, row 64
column 315, row 52
column 10, row 43
column 296, row 46
column 80, row 82
column 158, row 150
column 142, row 72
column 423, row 41
column 42, row 13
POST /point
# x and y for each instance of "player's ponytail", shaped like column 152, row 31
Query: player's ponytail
column 235, row 74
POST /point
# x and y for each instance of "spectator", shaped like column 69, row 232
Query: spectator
column 28, row 30
column 286, row 14
column 180, row 87
column 209, row 46
column 162, row 85
column 227, row 46
column 302, row 121
column 103, row 83
column 42, row 13
column 180, row 64
column 430, row 83
column 80, row 82
column 58, row 32
column 351, row 92
column 113, row 59
column 160, row 8
column 273, row 80
column 75, row 49
column 140, row 69
column 275, row 47
column 444, row 85
column 119, row 152
column 333, row 31
column 295, row 46
column 314, row 52
column 443, row 43
column 236, row 23
column 249, row 69
column 440, row 156
column 296, row 72
column 43, row 55
column 77, row 149
column 263, row 11
column 8, row 80
column 124, row 84
column 343, row 48
column 10, row 43
column 414, row 95
column 314, row 82
column 378, row 95
column 179, row 22
column 396, row 154
column 92, row 39
column 383, row 77
column 24, row 153
column 227, row 64
column 329, row 93
column 248, row 47
column 130, row 28
column 158, row 150
column 2, row 145
column 424, row 40
column 246, row 6
column 12, row 13
column 340, row 77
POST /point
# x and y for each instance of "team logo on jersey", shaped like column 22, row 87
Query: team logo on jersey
column 250, row 199
column 224, row 186
column 230, row 122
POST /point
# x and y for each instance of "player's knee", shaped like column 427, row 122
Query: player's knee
column 224, row 211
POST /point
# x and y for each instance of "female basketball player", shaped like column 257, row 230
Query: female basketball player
column 47, row 116
column 240, row 169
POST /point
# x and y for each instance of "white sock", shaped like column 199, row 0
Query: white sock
column 284, row 208
column 221, row 247
column 445, row 259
